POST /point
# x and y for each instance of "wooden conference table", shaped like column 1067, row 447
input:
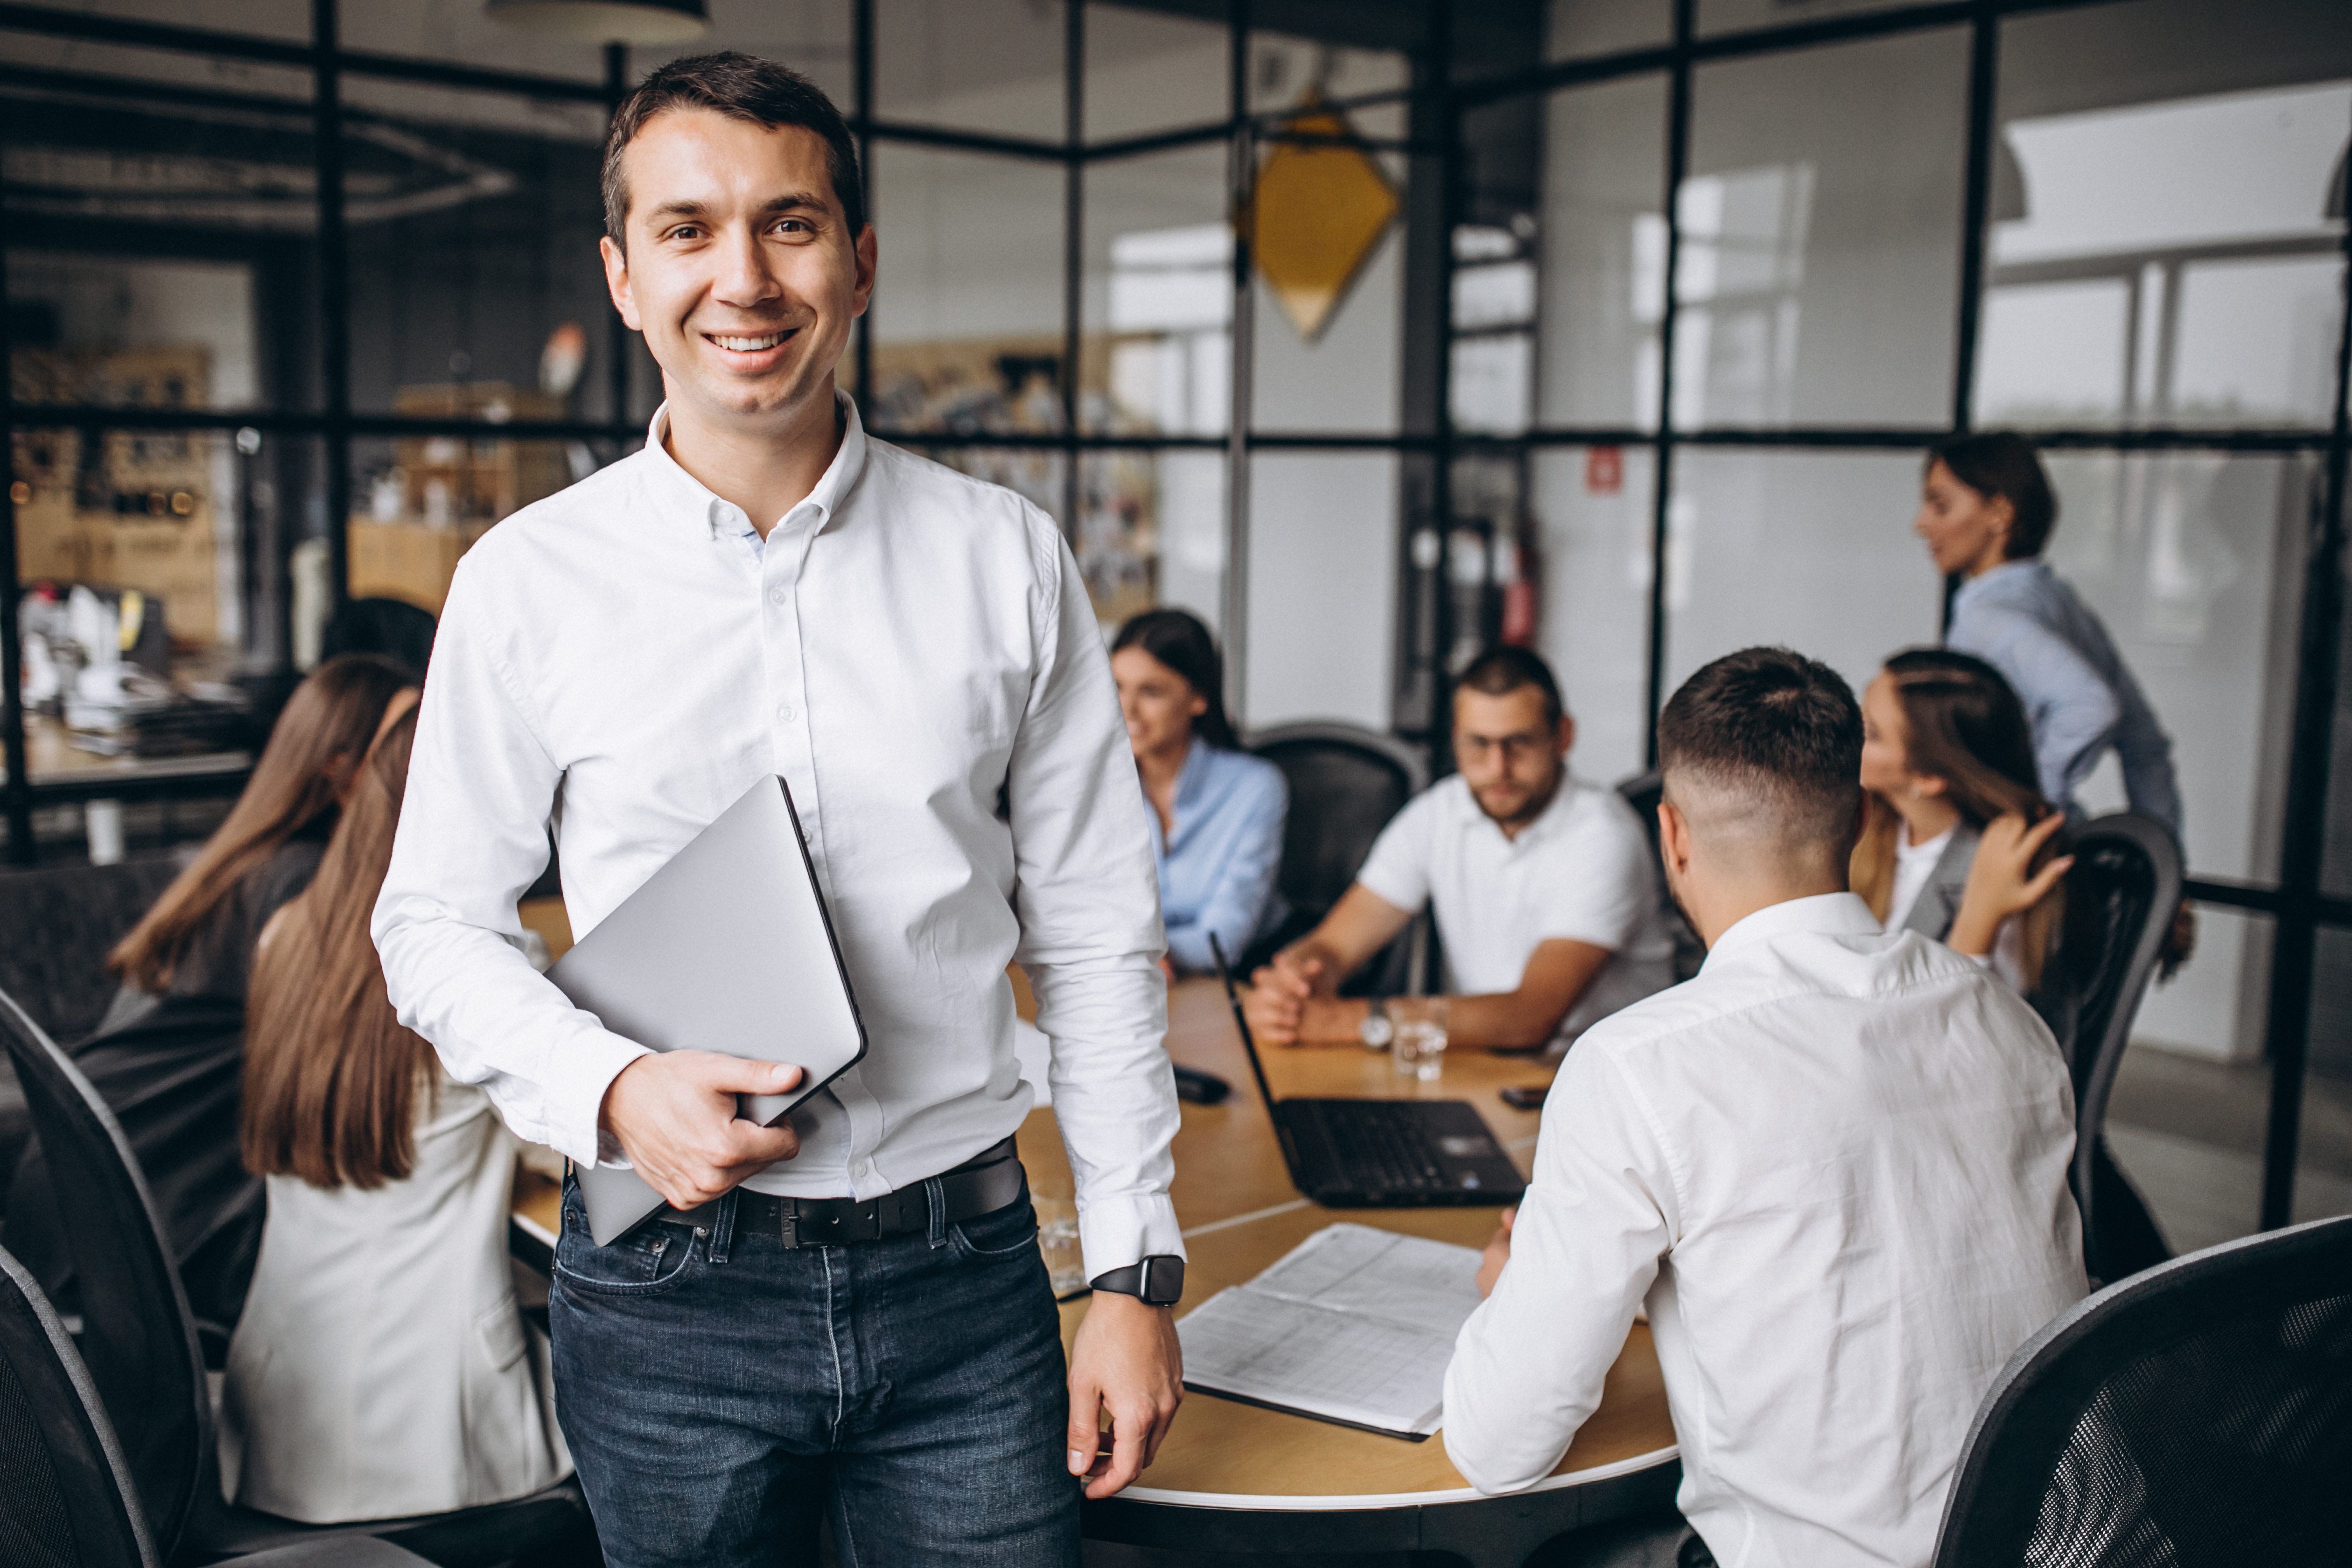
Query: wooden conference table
column 1235, row 1477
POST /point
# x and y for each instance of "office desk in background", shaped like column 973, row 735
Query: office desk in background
column 1234, row 1478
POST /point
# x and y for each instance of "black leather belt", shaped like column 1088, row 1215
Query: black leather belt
column 982, row 1184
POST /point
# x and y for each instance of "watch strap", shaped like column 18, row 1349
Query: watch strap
column 1157, row 1281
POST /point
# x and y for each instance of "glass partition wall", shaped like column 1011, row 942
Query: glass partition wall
column 1370, row 333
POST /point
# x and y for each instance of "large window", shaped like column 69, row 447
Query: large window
column 1372, row 333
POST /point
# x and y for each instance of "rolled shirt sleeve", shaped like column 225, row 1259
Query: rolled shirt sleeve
column 1529, row 1366
column 472, row 839
column 1088, row 902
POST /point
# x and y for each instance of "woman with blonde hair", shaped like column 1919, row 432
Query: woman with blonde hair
column 1961, row 842
column 383, row 1367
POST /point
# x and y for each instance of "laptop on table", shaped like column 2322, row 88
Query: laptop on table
column 1380, row 1154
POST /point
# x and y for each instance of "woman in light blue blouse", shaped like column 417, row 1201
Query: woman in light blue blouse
column 1216, row 811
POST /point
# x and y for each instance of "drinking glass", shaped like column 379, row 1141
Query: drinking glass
column 1419, row 1050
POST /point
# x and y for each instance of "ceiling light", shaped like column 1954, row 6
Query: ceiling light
column 605, row 21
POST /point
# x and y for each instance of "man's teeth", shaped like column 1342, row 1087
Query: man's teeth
column 749, row 345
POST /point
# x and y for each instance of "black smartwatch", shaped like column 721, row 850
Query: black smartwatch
column 1157, row 1282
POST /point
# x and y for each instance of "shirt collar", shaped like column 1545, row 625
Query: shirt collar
column 1195, row 774
column 1992, row 581
column 1555, row 812
column 681, row 495
column 1824, row 914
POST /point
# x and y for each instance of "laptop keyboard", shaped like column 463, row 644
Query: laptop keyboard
column 1380, row 1144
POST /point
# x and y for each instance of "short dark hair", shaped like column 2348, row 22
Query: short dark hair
column 1503, row 669
column 1779, row 730
column 740, row 87
column 1178, row 639
column 2003, row 463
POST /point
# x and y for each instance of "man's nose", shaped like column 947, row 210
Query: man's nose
column 745, row 278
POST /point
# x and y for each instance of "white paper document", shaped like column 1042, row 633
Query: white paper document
column 1354, row 1325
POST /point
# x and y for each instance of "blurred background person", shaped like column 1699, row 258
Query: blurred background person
column 383, row 1367
column 1544, row 889
column 169, row 1055
column 1217, row 812
column 1960, row 843
column 1986, row 512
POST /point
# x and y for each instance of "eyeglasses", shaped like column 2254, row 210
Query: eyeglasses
column 1515, row 748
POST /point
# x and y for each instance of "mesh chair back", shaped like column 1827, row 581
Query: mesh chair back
column 64, row 1489
column 2120, row 895
column 1346, row 783
column 61, row 922
column 137, row 1337
column 2199, row 1413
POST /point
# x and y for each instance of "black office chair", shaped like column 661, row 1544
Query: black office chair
column 61, row 921
column 1346, row 782
column 1642, row 792
column 139, row 1341
column 66, row 1499
column 2197, row 1414
column 2120, row 895
column 173, row 1081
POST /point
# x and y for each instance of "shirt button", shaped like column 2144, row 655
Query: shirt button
column 788, row 713
column 777, row 595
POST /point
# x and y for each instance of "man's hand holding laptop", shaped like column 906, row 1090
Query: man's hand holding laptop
column 672, row 1113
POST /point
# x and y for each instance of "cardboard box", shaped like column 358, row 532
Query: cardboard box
column 407, row 561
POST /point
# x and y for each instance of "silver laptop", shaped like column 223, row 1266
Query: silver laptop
column 727, row 948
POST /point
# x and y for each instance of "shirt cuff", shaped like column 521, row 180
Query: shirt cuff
column 575, row 1101
column 1115, row 1232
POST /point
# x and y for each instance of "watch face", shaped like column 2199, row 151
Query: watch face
column 1163, row 1281
column 1376, row 1030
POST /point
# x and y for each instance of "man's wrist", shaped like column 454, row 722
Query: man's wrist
column 1332, row 1021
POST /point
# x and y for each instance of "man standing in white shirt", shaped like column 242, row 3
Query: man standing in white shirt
column 849, row 1316
column 1832, row 1166
column 1544, row 888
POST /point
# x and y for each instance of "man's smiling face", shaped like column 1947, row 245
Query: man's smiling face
column 740, row 270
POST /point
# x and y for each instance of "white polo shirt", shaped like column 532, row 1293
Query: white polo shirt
column 1583, row 871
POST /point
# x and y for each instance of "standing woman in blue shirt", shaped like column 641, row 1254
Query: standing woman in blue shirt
column 1216, row 811
column 1986, row 512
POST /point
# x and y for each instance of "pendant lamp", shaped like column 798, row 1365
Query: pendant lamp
column 605, row 21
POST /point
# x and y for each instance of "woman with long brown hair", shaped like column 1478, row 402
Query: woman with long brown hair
column 1960, row 845
column 168, row 1056
column 381, row 1367
column 199, row 939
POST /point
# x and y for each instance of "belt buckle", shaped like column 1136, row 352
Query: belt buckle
column 836, row 1229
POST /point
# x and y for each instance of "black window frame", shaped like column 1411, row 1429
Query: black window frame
column 1437, row 102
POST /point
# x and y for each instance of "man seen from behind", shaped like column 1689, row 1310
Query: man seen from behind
column 1832, row 1167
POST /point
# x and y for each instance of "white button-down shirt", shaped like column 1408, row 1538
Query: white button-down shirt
column 914, row 652
column 1833, row 1166
column 1583, row 871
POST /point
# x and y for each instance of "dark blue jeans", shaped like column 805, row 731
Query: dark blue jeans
column 719, row 1390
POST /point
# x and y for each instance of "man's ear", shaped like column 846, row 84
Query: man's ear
column 1673, row 838
column 1566, row 733
column 616, row 281
column 868, row 258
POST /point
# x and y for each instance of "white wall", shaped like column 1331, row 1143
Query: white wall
column 1322, row 586
column 1596, row 603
